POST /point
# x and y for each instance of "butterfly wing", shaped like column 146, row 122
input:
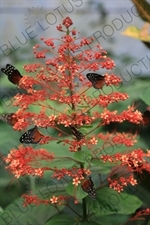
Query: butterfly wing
column 146, row 117
column 27, row 136
column 8, row 118
column 13, row 74
column 32, row 136
column 37, row 136
column 88, row 186
column 97, row 80
column 77, row 133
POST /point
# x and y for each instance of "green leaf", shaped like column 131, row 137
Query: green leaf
column 83, row 156
column 104, row 168
column 115, row 219
column 110, row 202
column 67, row 163
column 49, row 189
column 16, row 214
column 88, row 223
column 61, row 220
column 59, row 150
column 146, row 96
column 76, row 191
column 7, row 133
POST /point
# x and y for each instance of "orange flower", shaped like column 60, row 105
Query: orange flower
column 54, row 199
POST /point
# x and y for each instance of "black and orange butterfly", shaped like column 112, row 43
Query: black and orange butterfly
column 77, row 133
column 32, row 136
column 9, row 118
column 88, row 186
column 13, row 74
column 146, row 117
column 97, row 80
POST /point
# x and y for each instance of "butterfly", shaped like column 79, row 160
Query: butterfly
column 97, row 80
column 88, row 186
column 76, row 133
column 9, row 118
column 13, row 74
column 32, row 136
column 146, row 117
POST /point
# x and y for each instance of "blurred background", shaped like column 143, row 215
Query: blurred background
column 116, row 25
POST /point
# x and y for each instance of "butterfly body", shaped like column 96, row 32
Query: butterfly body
column 88, row 186
column 97, row 80
column 13, row 74
column 9, row 118
column 31, row 136
column 76, row 133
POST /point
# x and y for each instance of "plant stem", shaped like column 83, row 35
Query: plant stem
column 84, row 199
column 84, row 209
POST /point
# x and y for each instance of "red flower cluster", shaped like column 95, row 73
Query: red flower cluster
column 24, row 160
column 60, row 93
